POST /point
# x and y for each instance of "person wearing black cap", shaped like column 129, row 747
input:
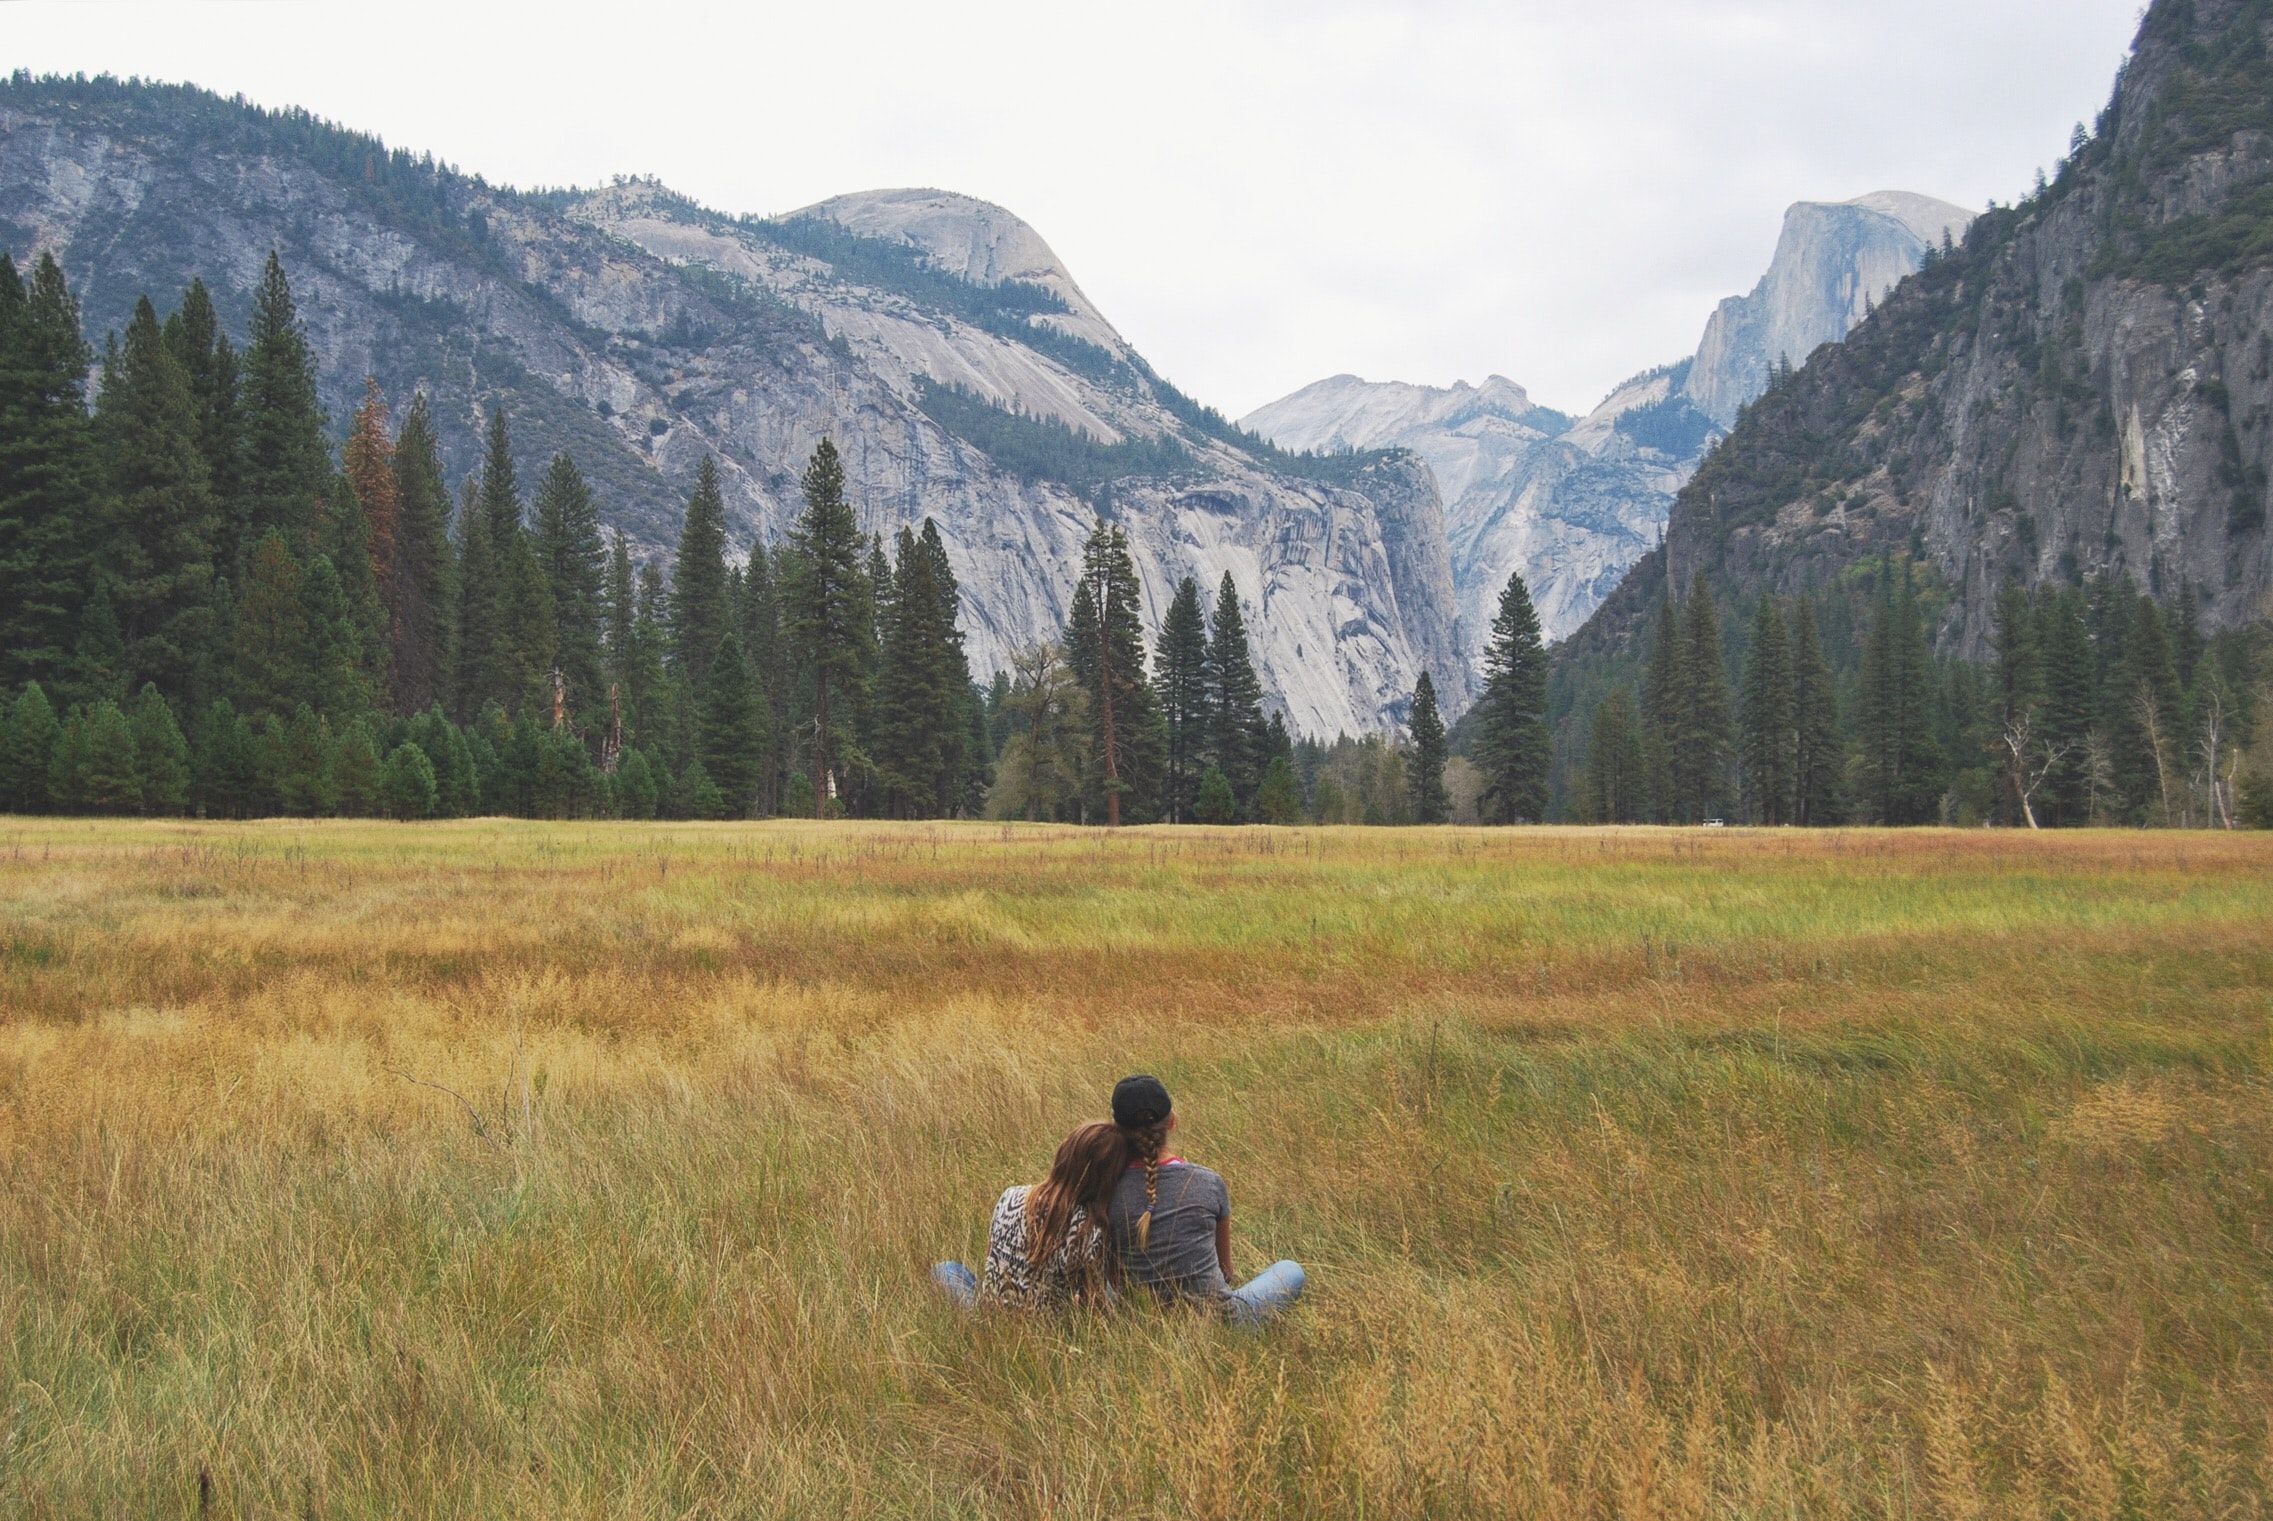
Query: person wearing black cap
column 1170, row 1220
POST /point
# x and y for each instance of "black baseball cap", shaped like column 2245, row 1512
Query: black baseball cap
column 1139, row 1101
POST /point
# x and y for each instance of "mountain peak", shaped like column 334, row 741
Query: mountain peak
column 960, row 235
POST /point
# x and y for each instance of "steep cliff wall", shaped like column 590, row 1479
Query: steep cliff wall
column 2085, row 386
column 1831, row 262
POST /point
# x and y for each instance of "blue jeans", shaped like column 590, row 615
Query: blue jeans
column 1252, row 1303
column 1267, row 1293
column 958, row 1283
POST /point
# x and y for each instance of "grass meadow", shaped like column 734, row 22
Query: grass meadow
column 1638, row 1172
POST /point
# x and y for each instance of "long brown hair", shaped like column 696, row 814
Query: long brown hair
column 1144, row 1143
column 1088, row 1165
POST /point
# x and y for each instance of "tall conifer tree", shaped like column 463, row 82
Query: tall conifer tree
column 923, row 684
column 418, row 588
column 209, row 364
column 1424, row 779
column 1513, row 748
column 1661, row 712
column 702, row 609
column 1181, row 659
column 1104, row 645
column 1613, row 791
column 734, row 727
column 1817, row 755
column 157, row 545
column 1698, row 755
column 830, row 611
column 1770, row 726
column 48, row 475
column 575, row 562
column 285, row 463
column 1234, row 699
column 1899, row 757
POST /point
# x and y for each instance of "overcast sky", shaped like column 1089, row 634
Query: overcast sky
column 1259, row 193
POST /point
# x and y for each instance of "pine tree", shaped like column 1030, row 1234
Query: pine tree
column 417, row 586
column 1430, row 803
column 635, row 786
column 285, row 463
column 67, row 765
column 1613, row 790
column 1180, row 656
column 300, row 762
column 1234, row 699
column 98, row 656
column 106, row 780
column 1216, row 805
column 1899, row 758
column 2071, row 701
column 1104, row 645
column 29, row 750
column 48, row 475
column 156, row 546
column 337, row 682
column 161, row 755
column 1513, row 748
column 830, row 613
column 368, row 462
column 1816, row 751
column 1770, row 724
column 476, row 620
column 209, row 364
column 701, row 608
column 923, row 683
column 1661, row 713
column 734, row 728
column 356, row 771
column 575, row 561
column 407, row 788
column 519, row 675
column 1698, row 756
column 345, row 540
column 270, row 664
column 1279, row 799
column 225, row 767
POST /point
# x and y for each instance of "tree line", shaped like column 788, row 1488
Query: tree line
column 203, row 610
column 2099, row 706
column 207, row 610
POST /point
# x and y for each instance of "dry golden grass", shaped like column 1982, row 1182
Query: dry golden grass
column 1638, row 1173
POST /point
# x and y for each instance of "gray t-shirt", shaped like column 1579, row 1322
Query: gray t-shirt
column 1181, row 1262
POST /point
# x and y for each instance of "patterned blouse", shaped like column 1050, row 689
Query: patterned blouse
column 1016, row 1283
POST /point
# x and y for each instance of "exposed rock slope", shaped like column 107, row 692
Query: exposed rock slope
column 1830, row 263
column 1573, row 505
column 936, row 338
column 1570, row 504
column 2084, row 387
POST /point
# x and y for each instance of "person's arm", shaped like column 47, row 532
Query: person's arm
column 1223, row 1245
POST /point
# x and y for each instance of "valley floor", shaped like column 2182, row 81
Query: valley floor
column 497, row 1168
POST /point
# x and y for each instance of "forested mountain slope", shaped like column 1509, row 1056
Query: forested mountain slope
column 2083, row 387
column 936, row 339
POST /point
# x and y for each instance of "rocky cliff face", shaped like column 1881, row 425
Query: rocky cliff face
column 2084, row 387
column 1568, row 503
column 937, row 339
column 1831, row 262
column 1573, row 505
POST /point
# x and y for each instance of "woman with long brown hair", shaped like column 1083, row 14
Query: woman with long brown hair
column 1171, row 1220
column 1046, row 1243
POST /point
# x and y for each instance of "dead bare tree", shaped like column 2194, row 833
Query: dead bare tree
column 2019, row 741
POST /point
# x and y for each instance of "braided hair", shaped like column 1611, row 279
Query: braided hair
column 1145, row 1143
